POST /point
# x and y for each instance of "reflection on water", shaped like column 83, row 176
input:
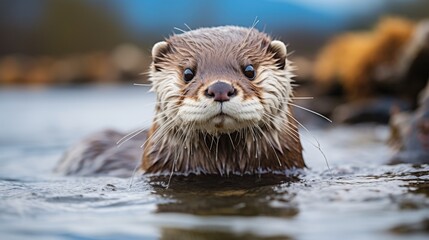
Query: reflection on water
column 412, row 228
column 194, row 234
column 232, row 196
column 359, row 197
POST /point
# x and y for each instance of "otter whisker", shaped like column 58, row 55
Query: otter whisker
column 189, row 143
column 161, row 120
column 183, row 137
column 318, row 146
column 143, row 73
column 259, row 159
column 211, row 144
column 283, row 126
column 171, row 101
column 189, row 151
column 302, row 98
column 172, row 172
column 178, row 147
column 147, row 73
column 133, row 175
column 270, row 143
column 142, row 84
column 311, row 111
column 159, row 131
column 318, row 143
column 294, row 134
column 217, row 149
column 129, row 136
column 255, row 22
column 161, row 148
column 205, row 139
column 161, row 102
column 163, row 130
column 178, row 29
column 186, row 25
column 232, row 143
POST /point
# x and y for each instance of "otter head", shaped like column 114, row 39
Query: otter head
column 220, row 80
column 228, row 85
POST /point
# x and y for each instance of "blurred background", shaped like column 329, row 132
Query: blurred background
column 67, row 69
column 72, row 42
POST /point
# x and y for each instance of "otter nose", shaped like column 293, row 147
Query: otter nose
column 220, row 91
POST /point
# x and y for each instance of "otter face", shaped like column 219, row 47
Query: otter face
column 220, row 80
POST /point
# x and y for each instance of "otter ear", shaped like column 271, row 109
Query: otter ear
column 280, row 53
column 159, row 50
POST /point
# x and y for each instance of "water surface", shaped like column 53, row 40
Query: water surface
column 360, row 197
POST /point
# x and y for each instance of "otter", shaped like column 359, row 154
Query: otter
column 223, row 107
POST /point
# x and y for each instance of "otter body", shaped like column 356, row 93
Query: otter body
column 222, row 108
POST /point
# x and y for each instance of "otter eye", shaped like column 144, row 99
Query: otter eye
column 249, row 72
column 188, row 75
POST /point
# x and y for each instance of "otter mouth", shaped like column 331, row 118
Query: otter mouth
column 222, row 114
column 214, row 117
column 221, row 117
column 223, row 120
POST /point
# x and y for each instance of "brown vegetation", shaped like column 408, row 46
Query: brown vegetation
column 125, row 63
column 357, row 60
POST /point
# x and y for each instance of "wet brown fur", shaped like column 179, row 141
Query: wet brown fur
column 219, row 53
column 237, row 157
column 271, row 145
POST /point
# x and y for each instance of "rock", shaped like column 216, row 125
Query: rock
column 410, row 133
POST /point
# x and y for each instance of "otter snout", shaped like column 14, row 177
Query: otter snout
column 220, row 91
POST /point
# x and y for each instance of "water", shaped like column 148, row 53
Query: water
column 359, row 198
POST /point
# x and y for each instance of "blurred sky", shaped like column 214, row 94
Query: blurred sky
column 276, row 14
column 65, row 26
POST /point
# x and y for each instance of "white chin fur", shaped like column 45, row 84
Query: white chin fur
column 236, row 114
